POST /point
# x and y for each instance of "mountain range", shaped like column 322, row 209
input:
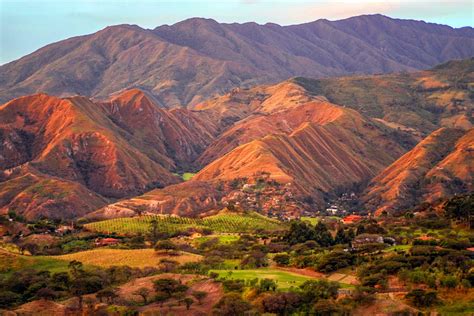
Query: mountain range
column 188, row 62
column 396, row 139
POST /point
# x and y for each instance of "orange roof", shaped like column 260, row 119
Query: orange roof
column 352, row 218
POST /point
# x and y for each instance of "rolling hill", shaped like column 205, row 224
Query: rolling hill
column 190, row 61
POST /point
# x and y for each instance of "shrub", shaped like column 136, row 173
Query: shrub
column 282, row 259
column 422, row 298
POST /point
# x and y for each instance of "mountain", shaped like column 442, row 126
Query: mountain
column 70, row 148
column 33, row 195
column 190, row 61
column 440, row 166
column 284, row 147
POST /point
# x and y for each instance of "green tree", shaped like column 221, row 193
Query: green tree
column 143, row 292
column 422, row 298
column 231, row 304
column 313, row 291
column 282, row 259
column 267, row 285
column 188, row 302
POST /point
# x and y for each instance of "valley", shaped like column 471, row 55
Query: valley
column 206, row 168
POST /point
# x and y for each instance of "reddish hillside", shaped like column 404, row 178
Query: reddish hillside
column 186, row 199
column 72, row 139
column 318, row 146
column 117, row 148
column 33, row 195
column 174, row 138
column 439, row 166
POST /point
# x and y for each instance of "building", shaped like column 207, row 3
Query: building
column 100, row 242
column 350, row 219
column 366, row 239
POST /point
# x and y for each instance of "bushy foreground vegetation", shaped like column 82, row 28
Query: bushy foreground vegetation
column 414, row 263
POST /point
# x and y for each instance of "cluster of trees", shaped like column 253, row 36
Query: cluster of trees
column 312, row 297
column 29, row 284
column 316, row 297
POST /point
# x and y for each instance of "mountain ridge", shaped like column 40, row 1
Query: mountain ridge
column 183, row 65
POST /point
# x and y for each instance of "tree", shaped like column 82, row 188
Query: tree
column 233, row 285
column 281, row 303
column 154, row 230
column 161, row 297
column 144, row 293
column 75, row 267
column 85, row 284
column 341, row 237
column 335, row 260
column 322, row 235
column 188, row 302
column 422, row 298
column 8, row 298
column 255, row 259
column 169, row 286
column 282, row 259
column 460, row 208
column 199, row 295
column 326, row 308
column 313, row 291
column 363, row 295
column 46, row 293
column 231, row 304
column 166, row 245
column 267, row 285
column 167, row 265
column 299, row 232
column 108, row 294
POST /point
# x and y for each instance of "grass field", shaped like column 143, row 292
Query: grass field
column 404, row 248
column 10, row 263
column 223, row 239
column 315, row 220
column 221, row 223
column 135, row 258
column 284, row 280
column 185, row 176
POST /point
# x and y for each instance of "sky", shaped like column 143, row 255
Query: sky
column 26, row 25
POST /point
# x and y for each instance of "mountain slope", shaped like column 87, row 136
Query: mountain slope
column 419, row 102
column 439, row 166
column 33, row 194
column 192, row 60
column 77, row 153
column 317, row 146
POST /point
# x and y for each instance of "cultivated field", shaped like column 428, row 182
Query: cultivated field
column 135, row 258
column 221, row 223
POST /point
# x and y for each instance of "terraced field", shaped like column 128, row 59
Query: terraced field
column 221, row 223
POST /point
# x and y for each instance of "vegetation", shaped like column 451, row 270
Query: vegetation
column 227, row 223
